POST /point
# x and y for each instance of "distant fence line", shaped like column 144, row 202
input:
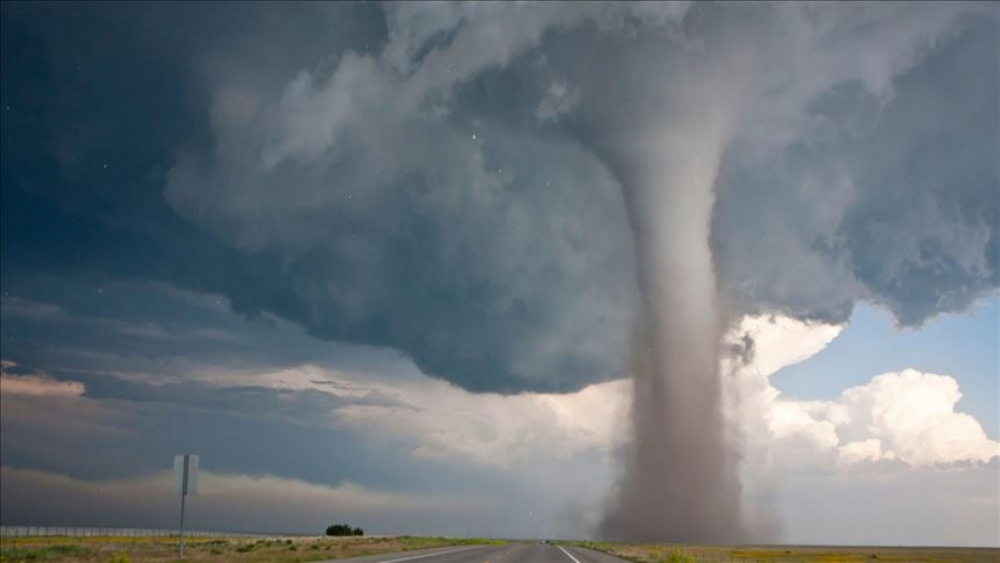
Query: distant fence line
column 76, row 531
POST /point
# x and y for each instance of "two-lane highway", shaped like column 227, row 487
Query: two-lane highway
column 521, row 552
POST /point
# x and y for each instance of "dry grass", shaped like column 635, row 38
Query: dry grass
column 288, row 550
column 215, row 550
column 663, row 553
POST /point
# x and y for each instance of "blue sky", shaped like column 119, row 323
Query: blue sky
column 965, row 346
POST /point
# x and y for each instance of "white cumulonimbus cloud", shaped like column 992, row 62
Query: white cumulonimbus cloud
column 441, row 421
column 909, row 416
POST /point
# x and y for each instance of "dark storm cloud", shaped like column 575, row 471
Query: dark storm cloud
column 257, row 154
column 140, row 328
column 264, row 402
column 483, row 188
column 524, row 284
column 891, row 201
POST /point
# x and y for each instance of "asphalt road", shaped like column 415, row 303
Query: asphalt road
column 510, row 553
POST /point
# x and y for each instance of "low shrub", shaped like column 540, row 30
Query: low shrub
column 343, row 530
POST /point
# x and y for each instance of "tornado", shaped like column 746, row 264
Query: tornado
column 679, row 480
column 662, row 129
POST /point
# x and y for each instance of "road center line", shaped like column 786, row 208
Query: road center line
column 421, row 556
column 568, row 554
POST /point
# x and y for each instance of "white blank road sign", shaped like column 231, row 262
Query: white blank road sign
column 186, row 474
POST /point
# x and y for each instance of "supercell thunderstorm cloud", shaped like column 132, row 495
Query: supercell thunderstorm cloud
column 521, row 198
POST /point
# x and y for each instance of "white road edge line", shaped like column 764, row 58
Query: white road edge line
column 568, row 554
column 421, row 556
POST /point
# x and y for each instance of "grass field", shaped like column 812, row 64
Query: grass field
column 215, row 550
column 665, row 553
column 303, row 549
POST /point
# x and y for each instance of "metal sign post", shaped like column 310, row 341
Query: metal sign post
column 186, row 482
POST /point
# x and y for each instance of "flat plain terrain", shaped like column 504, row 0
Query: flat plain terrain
column 393, row 549
column 659, row 553
column 215, row 550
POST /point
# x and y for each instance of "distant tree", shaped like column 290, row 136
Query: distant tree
column 343, row 530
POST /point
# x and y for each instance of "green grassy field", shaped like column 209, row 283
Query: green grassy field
column 215, row 550
column 667, row 553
